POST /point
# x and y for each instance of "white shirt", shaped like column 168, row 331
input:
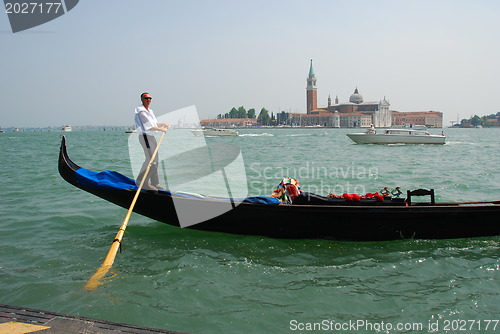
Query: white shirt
column 145, row 120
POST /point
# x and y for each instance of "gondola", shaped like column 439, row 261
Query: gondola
column 308, row 217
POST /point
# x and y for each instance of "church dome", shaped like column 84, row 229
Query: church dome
column 356, row 97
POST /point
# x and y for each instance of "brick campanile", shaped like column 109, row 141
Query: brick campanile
column 311, row 91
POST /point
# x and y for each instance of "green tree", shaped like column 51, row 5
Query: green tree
column 251, row 113
column 233, row 113
column 242, row 113
column 476, row 120
column 264, row 118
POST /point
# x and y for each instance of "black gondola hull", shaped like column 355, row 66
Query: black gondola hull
column 336, row 222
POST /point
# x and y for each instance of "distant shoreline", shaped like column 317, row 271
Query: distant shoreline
column 74, row 128
column 125, row 128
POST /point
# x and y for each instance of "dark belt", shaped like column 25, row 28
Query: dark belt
column 146, row 140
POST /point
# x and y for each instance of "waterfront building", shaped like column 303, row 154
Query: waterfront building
column 353, row 114
column 492, row 122
column 430, row 119
column 228, row 122
column 355, row 120
column 358, row 113
column 326, row 119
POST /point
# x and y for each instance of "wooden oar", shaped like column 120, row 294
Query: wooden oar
column 95, row 281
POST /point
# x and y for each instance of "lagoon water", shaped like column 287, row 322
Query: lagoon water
column 53, row 237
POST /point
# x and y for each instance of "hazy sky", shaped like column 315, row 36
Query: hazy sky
column 89, row 66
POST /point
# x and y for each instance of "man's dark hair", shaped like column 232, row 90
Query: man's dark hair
column 143, row 94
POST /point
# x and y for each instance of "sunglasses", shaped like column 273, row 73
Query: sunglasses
column 147, row 98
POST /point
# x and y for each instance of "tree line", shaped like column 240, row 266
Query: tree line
column 264, row 117
column 481, row 121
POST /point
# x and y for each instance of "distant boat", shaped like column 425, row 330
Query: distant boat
column 66, row 128
column 1, row 130
column 213, row 132
column 131, row 131
column 411, row 126
column 397, row 136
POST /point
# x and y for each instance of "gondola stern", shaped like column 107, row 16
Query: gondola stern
column 67, row 167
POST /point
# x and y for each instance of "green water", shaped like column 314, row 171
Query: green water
column 53, row 237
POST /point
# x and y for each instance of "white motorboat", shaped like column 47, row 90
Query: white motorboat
column 397, row 136
column 66, row 128
column 213, row 132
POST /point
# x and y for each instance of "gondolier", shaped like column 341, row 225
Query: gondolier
column 146, row 125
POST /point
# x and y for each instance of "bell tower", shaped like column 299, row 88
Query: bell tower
column 311, row 91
